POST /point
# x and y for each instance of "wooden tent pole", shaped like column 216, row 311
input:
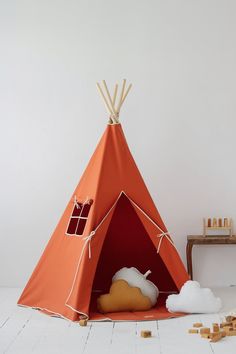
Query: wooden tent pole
column 110, row 100
column 105, row 101
column 110, row 103
column 121, row 96
column 125, row 95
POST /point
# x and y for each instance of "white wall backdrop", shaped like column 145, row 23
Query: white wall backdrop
column 179, row 118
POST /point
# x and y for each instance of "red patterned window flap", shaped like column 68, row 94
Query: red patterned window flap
column 79, row 217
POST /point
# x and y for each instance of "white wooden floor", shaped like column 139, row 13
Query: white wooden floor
column 24, row 331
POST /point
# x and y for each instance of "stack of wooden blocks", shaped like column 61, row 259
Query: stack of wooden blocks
column 220, row 224
column 219, row 331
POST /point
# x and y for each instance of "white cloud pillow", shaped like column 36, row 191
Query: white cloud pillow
column 193, row 299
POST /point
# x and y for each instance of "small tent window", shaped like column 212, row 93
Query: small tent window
column 79, row 217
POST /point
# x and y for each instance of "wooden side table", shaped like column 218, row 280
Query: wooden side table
column 205, row 240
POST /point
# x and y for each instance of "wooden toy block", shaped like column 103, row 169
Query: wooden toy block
column 193, row 331
column 228, row 325
column 223, row 333
column 225, row 324
column 226, row 222
column 205, row 330
column 146, row 334
column 232, row 333
column 215, row 327
column 216, row 337
column 230, row 318
column 205, row 335
column 214, row 334
column 228, row 329
column 214, row 223
column 197, row 324
column 83, row 323
column 234, row 324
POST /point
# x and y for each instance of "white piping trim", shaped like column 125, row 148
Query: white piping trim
column 54, row 313
column 79, row 312
column 44, row 309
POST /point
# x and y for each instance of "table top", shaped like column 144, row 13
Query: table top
column 199, row 239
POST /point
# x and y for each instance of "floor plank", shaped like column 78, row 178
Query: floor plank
column 8, row 299
column 13, row 327
column 100, row 338
column 44, row 334
column 123, row 340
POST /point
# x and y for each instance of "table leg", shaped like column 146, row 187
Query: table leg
column 189, row 259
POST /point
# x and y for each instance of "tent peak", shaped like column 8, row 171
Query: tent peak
column 112, row 106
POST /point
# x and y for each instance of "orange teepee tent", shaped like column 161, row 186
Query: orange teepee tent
column 110, row 222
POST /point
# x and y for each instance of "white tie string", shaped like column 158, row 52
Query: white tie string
column 86, row 201
column 76, row 203
column 161, row 236
column 88, row 242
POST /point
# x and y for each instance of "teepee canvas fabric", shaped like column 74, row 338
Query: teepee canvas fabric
column 110, row 222
column 122, row 228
